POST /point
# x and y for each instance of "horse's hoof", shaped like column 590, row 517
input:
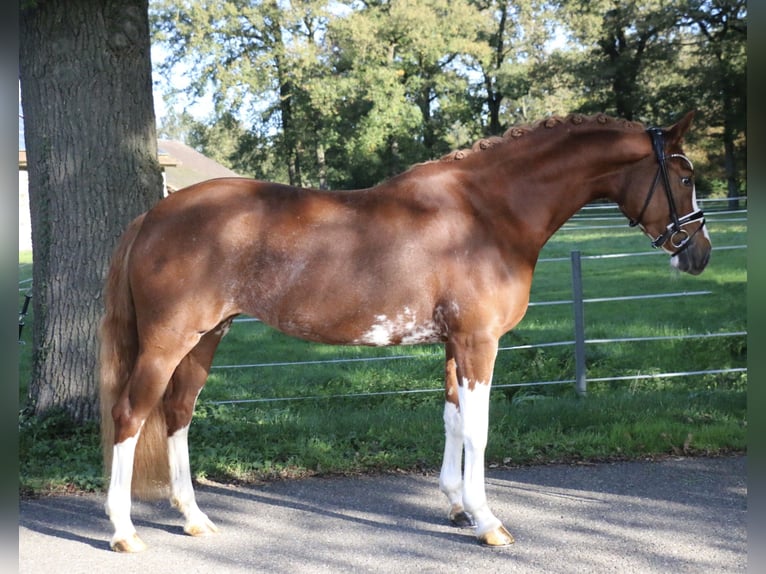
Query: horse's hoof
column 130, row 544
column 497, row 538
column 201, row 528
column 462, row 519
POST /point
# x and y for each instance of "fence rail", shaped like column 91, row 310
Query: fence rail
column 500, row 349
column 580, row 342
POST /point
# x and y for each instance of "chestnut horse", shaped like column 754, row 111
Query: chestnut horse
column 443, row 253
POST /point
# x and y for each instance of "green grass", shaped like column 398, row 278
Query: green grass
column 301, row 424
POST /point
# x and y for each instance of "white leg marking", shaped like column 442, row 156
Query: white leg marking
column 474, row 405
column 182, row 490
column 451, row 478
column 118, row 498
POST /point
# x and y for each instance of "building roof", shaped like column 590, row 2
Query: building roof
column 190, row 166
column 183, row 165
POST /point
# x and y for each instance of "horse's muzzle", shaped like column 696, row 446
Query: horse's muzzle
column 694, row 258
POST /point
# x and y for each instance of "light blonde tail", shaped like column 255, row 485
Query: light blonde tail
column 118, row 352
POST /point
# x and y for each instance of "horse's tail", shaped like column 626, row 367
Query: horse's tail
column 118, row 352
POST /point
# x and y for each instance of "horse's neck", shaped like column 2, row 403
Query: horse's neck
column 542, row 187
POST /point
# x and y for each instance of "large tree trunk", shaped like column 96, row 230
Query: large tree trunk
column 92, row 154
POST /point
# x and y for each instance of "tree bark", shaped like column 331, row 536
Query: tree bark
column 89, row 124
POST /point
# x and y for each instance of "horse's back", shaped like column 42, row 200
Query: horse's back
column 296, row 258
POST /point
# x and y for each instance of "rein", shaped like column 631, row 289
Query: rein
column 675, row 232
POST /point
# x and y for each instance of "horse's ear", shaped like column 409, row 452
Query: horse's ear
column 675, row 133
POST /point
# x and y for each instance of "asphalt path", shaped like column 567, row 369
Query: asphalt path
column 677, row 515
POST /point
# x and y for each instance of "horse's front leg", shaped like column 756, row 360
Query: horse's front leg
column 475, row 357
column 451, row 476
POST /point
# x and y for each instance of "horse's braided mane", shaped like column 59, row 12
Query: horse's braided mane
column 515, row 132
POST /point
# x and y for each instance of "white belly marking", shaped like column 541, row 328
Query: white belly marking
column 404, row 329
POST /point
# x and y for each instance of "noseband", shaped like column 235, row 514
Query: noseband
column 675, row 232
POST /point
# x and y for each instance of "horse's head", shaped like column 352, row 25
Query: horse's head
column 667, row 210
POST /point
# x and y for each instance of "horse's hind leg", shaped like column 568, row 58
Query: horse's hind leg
column 187, row 382
column 141, row 395
column 125, row 538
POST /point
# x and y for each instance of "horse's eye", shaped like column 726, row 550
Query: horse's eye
column 687, row 181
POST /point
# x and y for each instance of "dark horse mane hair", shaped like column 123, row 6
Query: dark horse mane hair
column 517, row 131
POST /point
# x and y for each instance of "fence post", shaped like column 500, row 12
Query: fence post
column 579, row 324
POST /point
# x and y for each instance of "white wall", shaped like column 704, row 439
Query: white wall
column 25, row 225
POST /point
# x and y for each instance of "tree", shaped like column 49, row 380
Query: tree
column 720, row 77
column 625, row 38
column 393, row 83
column 516, row 39
column 344, row 93
column 427, row 39
column 335, row 83
column 85, row 73
column 252, row 55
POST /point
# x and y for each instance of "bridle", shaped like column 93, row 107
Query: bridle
column 675, row 232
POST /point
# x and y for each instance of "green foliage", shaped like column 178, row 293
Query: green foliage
column 56, row 454
column 304, row 419
column 346, row 94
column 620, row 424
